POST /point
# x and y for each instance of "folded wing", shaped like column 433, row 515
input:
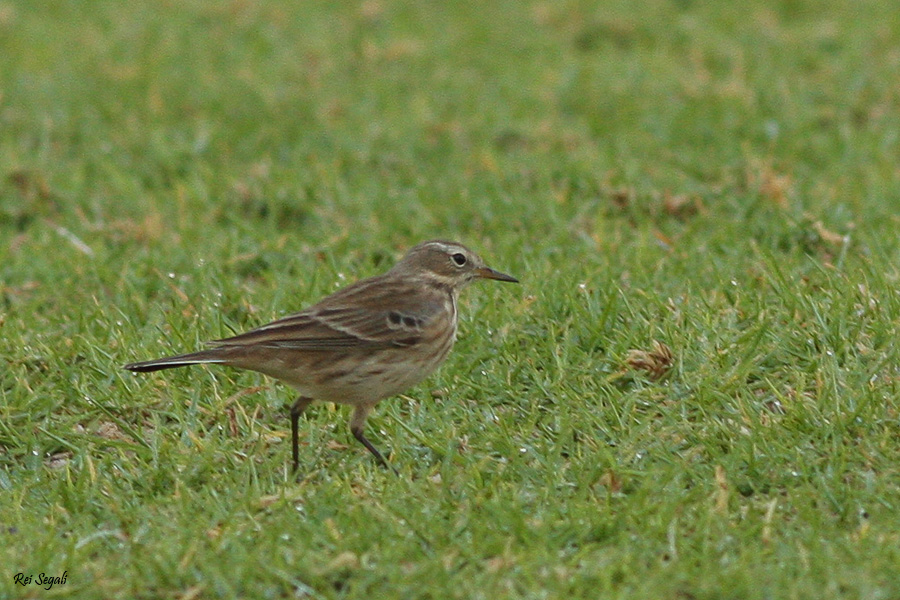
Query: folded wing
column 361, row 316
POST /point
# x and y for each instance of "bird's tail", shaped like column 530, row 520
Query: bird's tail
column 182, row 360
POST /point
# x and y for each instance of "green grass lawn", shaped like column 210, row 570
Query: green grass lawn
column 721, row 180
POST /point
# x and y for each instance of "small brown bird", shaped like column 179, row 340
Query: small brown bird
column 361, row 344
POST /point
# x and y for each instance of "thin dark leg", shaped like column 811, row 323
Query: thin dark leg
column 356, row 428
column 358, row 434
column 297, row 409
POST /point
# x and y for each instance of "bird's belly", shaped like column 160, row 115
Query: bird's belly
column 355, row 377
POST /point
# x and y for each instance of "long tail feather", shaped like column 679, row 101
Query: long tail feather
column 171, row 362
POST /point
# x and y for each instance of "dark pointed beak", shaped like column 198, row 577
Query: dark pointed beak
column 488, row 273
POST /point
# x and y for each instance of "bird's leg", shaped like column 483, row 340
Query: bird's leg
column 301, row 404
column 357, row 422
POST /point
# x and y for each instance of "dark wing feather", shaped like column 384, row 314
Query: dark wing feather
column 372, row 313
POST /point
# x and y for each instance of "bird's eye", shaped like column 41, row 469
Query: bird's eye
column 459, row 258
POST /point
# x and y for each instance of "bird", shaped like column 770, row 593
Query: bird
column 366, row 342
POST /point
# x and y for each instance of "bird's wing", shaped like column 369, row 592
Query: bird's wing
column 361, row 316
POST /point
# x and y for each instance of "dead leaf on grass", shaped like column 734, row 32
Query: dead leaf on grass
column 655, row 362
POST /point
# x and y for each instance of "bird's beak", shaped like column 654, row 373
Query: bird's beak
column 488, row 273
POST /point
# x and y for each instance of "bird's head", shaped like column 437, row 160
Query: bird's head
column 448, row 263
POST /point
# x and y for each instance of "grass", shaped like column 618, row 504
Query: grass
column 720, row 178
